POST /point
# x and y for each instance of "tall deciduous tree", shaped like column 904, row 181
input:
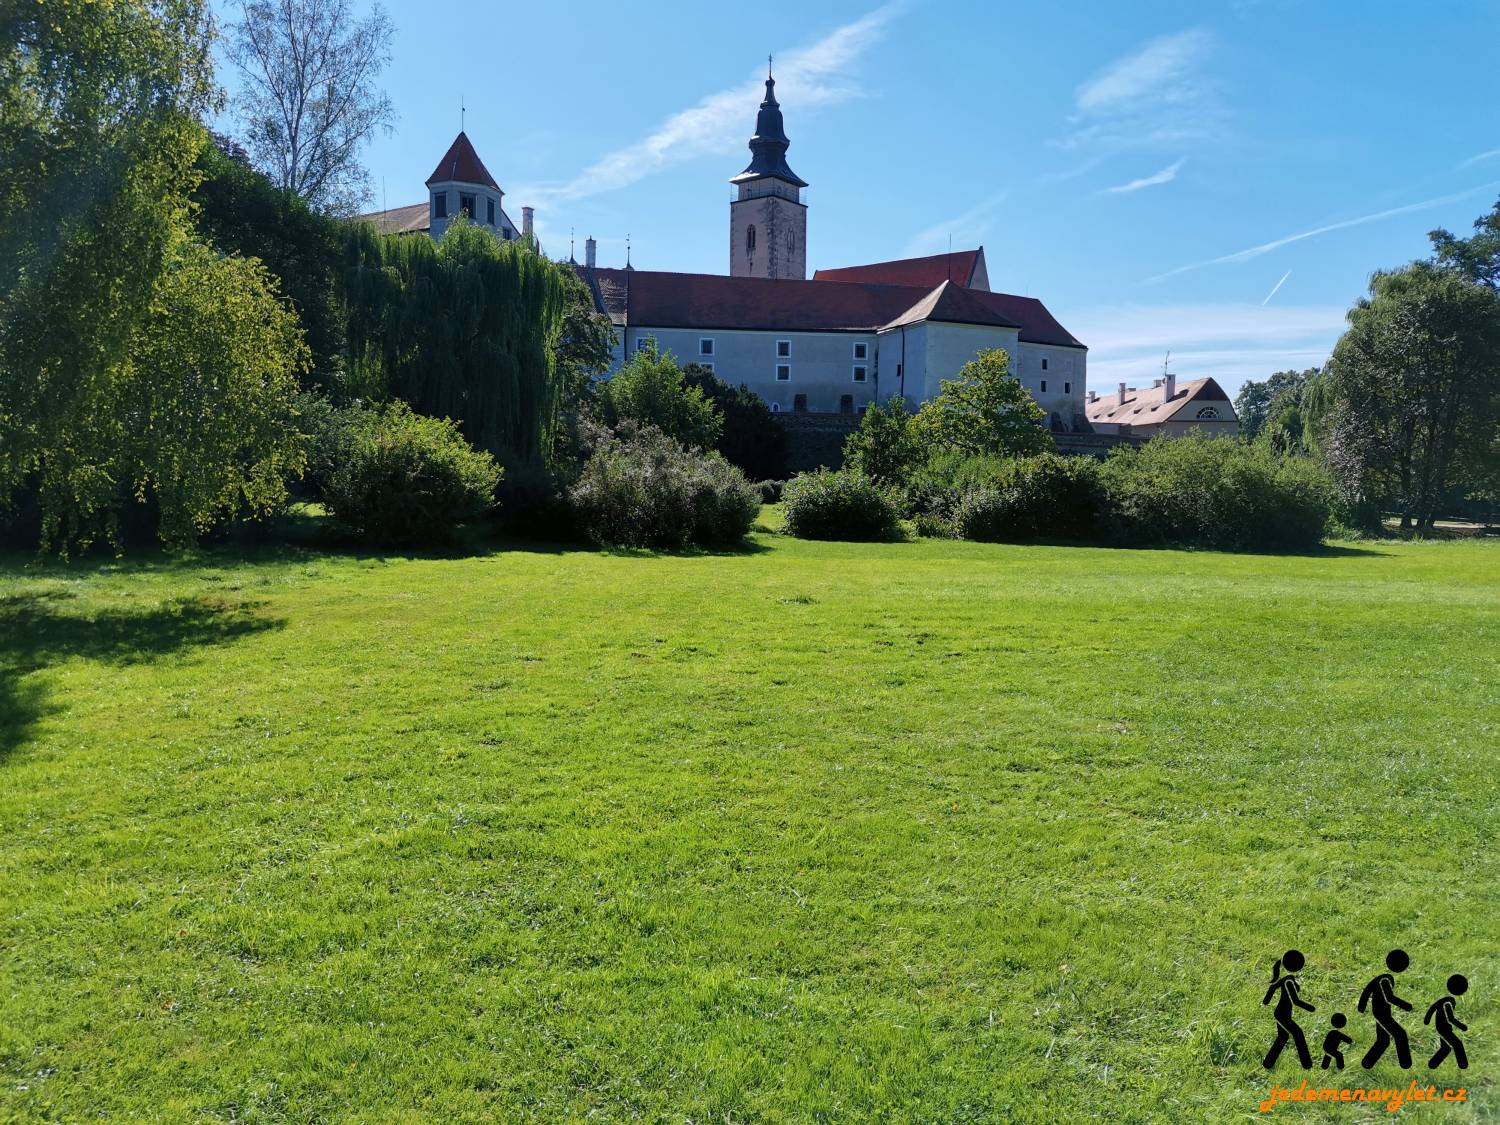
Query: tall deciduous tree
column 1258, row 402
column 310, row 97
column 1413, row 390
column 649, row 389
column 984, row 411
column 99, row 109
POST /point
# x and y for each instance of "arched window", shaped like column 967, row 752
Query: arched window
column 791, row 242
column 1208, row 413
column 750, row 239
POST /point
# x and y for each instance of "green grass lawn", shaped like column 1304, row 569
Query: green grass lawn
column 931, row 831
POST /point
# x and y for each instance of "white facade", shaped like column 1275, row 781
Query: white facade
column 483, row 203
column 845, row 371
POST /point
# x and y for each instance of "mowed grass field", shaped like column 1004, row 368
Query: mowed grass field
column 811, row 832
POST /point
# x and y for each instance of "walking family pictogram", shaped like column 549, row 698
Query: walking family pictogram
column 1380, row 1000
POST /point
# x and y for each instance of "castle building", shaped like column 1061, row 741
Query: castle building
column 833, row 344
column 847, row 337
column 460, row 184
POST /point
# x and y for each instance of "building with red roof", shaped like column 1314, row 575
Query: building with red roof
column 460, row 184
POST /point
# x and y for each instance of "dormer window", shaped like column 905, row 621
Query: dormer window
column 440, row 205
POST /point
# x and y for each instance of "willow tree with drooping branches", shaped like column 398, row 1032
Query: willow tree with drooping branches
column 464, row 329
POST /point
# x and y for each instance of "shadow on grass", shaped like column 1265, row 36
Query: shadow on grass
column 36, row 632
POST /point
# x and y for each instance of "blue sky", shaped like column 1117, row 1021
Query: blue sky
column 1152, row 171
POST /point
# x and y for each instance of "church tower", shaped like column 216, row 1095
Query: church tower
column 767, row 219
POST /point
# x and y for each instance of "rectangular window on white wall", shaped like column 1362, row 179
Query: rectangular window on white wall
column 1067, row 388
column 705, row 347
column 1044, row 386
column 1044, row 363
column 862, row 351
column 706, row 363
column 783, row 372
column 860, row 372
column 783, row 349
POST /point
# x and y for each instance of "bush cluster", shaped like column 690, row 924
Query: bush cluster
column 1199, row 491
column 841, row 505
column 1191, row 491
column 640, row 488
column 395, row 477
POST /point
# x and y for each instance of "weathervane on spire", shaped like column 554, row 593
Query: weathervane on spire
column 768, row 66
column 461, row 112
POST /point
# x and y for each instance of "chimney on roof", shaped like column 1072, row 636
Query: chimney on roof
column 1122, row 394
column 528, row 214
column 1093, row 397
column 590, row 249
column 1155, row 383
column 1169, row 387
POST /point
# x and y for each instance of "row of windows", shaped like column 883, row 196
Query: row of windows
column 1067, row 386
column 861, row 349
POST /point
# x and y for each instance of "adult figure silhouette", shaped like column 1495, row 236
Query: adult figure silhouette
column 1284, row 988
column 1380, row 995
column 1446, row 1021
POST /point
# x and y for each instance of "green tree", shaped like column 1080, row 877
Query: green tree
column 885, row 448
column 242, row 212
column 208, row 411
column 649, row 389
column 1413, row 395
column 466, row 329
column 585, row 341
column 1476, row 257
column 1258, row 402
column 99, row 110
column 751, row 440
column 985, row 411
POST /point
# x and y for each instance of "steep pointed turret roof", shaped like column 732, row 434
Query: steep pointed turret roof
column 768, row 146
column 462, row 164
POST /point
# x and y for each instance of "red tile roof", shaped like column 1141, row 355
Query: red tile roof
column 462, row 164
column 958, row 267
column 649, row 299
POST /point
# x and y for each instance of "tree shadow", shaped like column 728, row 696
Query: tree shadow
column 36, row 632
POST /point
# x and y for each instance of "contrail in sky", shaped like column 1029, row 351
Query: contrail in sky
column 1275, row 287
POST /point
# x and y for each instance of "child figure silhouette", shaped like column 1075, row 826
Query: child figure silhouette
column 1380, row 996
column 1335, row 1042
column 1284, row 988
column 1446, row 1021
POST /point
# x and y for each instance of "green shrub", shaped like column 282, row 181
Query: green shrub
column 405, row 479
column 1042, row 497
column 840, row 505
column 751, row 439
column 1201, row 491
column 935, row 489
column 649, row 390
column 771, row 490
column 640, row 488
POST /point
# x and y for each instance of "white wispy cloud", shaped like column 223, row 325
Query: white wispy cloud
column 965, row 230
column 1165, row 176
column 1480, row 157
column 1231, row 342
column 1276, row 244
column 1276, row 288
column 809, row 76
column 1156, row 96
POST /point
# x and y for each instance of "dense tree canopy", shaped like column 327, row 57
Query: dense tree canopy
column 983, row 411
column 649, row 389
column 1258, row 402
column 750, row 439
column 241, row 212
column 465, row 329
column 1413, row 390
column 99, row 131
column 1476, row 257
